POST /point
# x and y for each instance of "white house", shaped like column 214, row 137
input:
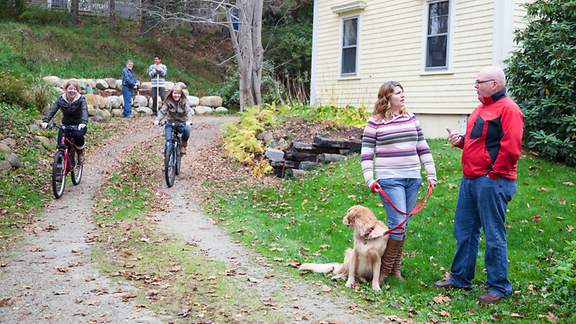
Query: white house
column 434, row 48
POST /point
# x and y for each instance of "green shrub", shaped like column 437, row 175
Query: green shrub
column 272, row 90
column 41, row 95
column 562, row 276
column 40, row 16
column 543, row 78
column 12, row 91
column 11, row 8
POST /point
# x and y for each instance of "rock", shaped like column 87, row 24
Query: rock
column 9, row 141
column 275, row 155
column 168, row 86
column 303, row 147
column 299, row 174
column 101, row 102
column 211, row 101
column 90, row 99
column 117, row 113
column 119, row 84
column 144, row 111
column 140, row 101
column 111, row 83
column 5, row 165
column 186, row 92
column 91, row 110
column 115, row 102
column 221, row 110
column 58, row 90
column 101, row 84
column 307, row 165
column 327, row 157
column 4, row 148
column 146, row 86
column 301, row 156
column 104, row 114
column 193, row 100
column 54, row 81
column 181, row 85
column 13, row 159
column 265, row 136
column 201, row 110
column 46, row 143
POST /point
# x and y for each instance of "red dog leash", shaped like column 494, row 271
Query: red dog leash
column 418, row 208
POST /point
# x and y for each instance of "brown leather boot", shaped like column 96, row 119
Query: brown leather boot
column 398, row 260
column 183, row 147
column 80, row 153
column 389, row 258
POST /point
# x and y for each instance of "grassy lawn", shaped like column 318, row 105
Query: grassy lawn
column 303, row 222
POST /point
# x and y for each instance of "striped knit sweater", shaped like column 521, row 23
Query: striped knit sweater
column 395, row 149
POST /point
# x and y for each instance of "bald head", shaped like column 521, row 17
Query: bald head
column 493, row 73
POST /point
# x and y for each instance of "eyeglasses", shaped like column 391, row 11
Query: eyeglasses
column 477, row 82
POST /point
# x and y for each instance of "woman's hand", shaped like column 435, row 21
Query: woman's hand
column 432, row 183
column 375, row 186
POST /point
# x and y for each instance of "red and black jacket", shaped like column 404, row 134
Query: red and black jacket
column 493, row 140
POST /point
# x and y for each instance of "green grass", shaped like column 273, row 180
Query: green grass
column 187, row 286
column 303, row 222
column 91, row 50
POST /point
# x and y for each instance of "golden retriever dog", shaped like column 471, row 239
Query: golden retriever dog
column 363, row 261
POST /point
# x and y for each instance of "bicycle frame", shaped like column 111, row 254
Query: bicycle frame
column 64, row 146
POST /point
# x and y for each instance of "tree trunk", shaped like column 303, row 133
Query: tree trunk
column 112, row 5
column 257, row 51
column 74, row 11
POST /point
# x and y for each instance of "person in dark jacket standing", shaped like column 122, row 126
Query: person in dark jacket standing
column 129, row 82
column 157, row 73
column 491, row 148
column 74, row 112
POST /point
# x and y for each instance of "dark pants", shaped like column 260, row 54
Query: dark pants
column 155, row 91
column 77, row 136
column 482, row 204
column 169, row 132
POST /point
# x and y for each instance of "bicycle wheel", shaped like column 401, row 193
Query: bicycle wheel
column 178, row 159
column 76, row 170
column 169, row 166
column 58, row 176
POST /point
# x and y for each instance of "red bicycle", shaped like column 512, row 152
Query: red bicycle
column 65, row 161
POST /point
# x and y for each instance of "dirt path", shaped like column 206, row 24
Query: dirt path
column 298, row 300
column 52, row 279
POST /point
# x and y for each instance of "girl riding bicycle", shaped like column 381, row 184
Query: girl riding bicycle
column 74, row 112
column 175, row 110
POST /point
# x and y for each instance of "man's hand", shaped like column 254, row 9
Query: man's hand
column 81, row 126
column 44, row 125
column 453, row 138
column 374, row 187
column 156, row 122
column 158, row 67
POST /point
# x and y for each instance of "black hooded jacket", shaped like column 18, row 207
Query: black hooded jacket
column 74, row 113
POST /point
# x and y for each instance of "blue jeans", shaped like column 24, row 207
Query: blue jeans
column 482, row 203
column 169, row 132
column 403, row 192
column 127, row 95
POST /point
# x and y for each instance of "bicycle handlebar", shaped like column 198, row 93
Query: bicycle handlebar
column 63, row 127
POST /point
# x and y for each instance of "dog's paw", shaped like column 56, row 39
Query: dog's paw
column 349, row 284
column 376, row 288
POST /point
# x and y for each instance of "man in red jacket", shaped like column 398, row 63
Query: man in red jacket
column 491, row 148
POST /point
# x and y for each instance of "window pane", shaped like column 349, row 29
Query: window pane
column 436, row 51
column 350, row 32
column 438, row 18
column 349, row 60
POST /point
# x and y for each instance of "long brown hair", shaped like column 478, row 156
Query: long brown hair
column 382, row 107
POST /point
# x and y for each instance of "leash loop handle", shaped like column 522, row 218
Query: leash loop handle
column 400, row 229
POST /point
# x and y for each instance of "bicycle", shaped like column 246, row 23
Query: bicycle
column 172, row 156
column 65, row 161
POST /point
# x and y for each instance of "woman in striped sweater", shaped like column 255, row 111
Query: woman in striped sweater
column 393, row 147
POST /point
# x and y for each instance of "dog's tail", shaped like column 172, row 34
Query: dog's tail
column 320, row 267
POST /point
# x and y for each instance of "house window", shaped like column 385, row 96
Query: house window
column 437, row 35
column 349, row 46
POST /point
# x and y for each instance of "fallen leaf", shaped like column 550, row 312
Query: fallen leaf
column 568, row 184
column 543, row 189
column 562, row 201
column 5, row 302
column 326, row 288
column 536, row 218
column 569, row 228
column 516, row 315
column 230, row 272
column 551, row 317
column 253, row 280
column 61, row 269
column 441, row 299
column 293, row 263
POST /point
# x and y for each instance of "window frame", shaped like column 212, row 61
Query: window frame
column 449, row 38
column 354, row 74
